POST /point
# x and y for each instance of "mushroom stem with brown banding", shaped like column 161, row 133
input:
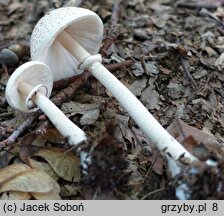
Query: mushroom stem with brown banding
column 26, row 89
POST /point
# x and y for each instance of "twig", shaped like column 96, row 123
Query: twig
column 142, row 59
column 205, row 12
column 157, row 57
column 117, row 66
column 69, row 91
column 186, row 72
column 83, row 77
column 199, row 5
column 20, row 129
column 108, row 41
column 114, row 16
column 114, row 29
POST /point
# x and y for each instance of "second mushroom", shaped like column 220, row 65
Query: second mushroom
column 28, row 89
column 67, row 40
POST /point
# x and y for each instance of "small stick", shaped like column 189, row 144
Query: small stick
column 114, row 29
column 186, row 72
column 83, row 77
column 20, row 129
column 117, row 66
column 200, row 5
column 157, row 57
column 114, row 17
column 205, row 12
column 108, row 41
column 69, row 92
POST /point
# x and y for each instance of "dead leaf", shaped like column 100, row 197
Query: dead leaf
column 137, row 69
column 71, row 189
column 165, row 71
column 11, row 171
column 46, row 167
column 219, row 63
column 15, row 195
column 24, row 146
column 6, row 157
column 135, row 178
column 78, row 108
column 199, row 74
column 138, row 86
column 90, row 117
column 175, row 90
column 126, row 131
column 48, row 134
column 13, row 7
column 46, row 196
column 64, row 164
column 150, row 98
column 33, row 141
column 31, row 180
column 181, row 130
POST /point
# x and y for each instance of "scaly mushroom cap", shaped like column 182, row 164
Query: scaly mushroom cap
column 34, row 73
column 83, row 25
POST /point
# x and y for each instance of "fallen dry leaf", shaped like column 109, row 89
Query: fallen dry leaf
column 79, row 108
column 46, row 167
column 150, row 97
column 46, row 196
column 52, row 135
column 181, row 131
column 11, row 171
column 126, row 131
column 220, row 62
column 63, row 163
column 15, row 195
column 25, row 147
column 70, row 189
column 90, row 117
column 31, row 180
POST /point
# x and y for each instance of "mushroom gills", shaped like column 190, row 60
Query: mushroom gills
column 73, row 47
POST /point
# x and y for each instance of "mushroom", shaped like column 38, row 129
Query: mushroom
column 29, row 88
column 67, row 40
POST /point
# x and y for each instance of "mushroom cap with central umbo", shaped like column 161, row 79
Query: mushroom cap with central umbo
column 83, row 25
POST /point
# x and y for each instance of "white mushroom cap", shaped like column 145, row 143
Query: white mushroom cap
column 83, row 25
column 34, row 73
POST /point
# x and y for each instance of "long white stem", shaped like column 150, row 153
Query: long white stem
column 144, row 119
column 65, row 126
column 155, row 132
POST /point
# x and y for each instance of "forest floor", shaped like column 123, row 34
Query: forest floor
column 170, row 54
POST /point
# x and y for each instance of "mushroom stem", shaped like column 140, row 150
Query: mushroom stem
column 73, row 46
column 65, row 126
column 144, row 119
